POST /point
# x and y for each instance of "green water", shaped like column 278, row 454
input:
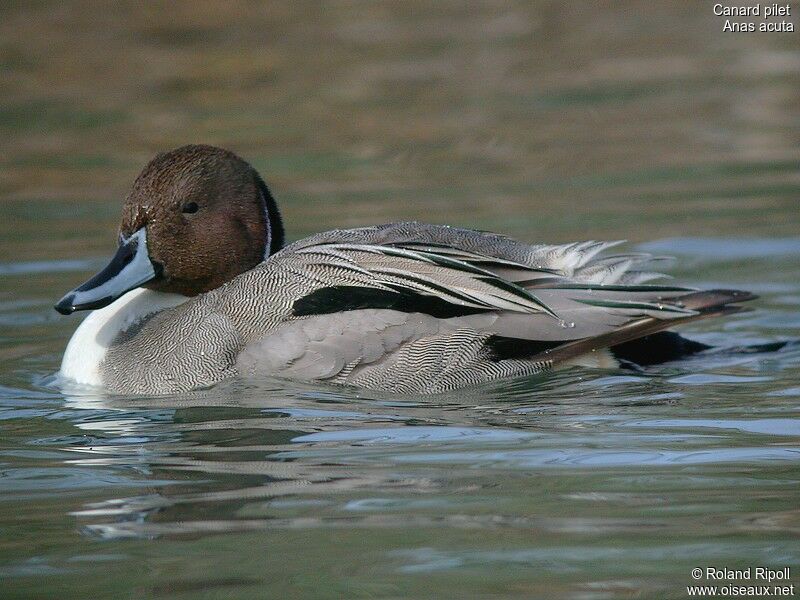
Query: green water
column 547, row 121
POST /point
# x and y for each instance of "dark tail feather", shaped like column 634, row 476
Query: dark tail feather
column 657, row 348
column 712, row 303
column 759, row 348
column 666, row 346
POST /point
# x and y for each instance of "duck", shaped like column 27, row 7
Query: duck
column 203, row 287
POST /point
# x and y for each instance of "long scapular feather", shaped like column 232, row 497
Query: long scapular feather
column 525, row 299
column 473, row 257
column 632, row 305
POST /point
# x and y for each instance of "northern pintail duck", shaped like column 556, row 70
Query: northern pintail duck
column 202, row 288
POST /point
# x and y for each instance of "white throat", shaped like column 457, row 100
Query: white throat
column 88, row 346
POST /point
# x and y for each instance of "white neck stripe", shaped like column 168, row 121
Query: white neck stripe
column 267, row 224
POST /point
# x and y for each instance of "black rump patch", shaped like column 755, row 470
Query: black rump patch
column 498, row 347
column 342, row 298
column 657, row 348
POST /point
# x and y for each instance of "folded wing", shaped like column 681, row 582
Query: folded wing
column 442, row 307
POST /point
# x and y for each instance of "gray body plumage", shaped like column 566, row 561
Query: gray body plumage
column 273, row 320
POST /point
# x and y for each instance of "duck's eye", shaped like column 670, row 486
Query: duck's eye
column 190, row 208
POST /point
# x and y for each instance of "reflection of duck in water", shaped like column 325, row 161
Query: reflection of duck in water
column 202, row 289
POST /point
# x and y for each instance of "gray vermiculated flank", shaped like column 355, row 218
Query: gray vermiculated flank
column 248, row 326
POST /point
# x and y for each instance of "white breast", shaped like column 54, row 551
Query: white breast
column 88, row 345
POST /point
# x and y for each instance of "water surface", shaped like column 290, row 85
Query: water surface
column 546, row 121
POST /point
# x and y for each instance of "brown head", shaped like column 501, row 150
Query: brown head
column 196, row 217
